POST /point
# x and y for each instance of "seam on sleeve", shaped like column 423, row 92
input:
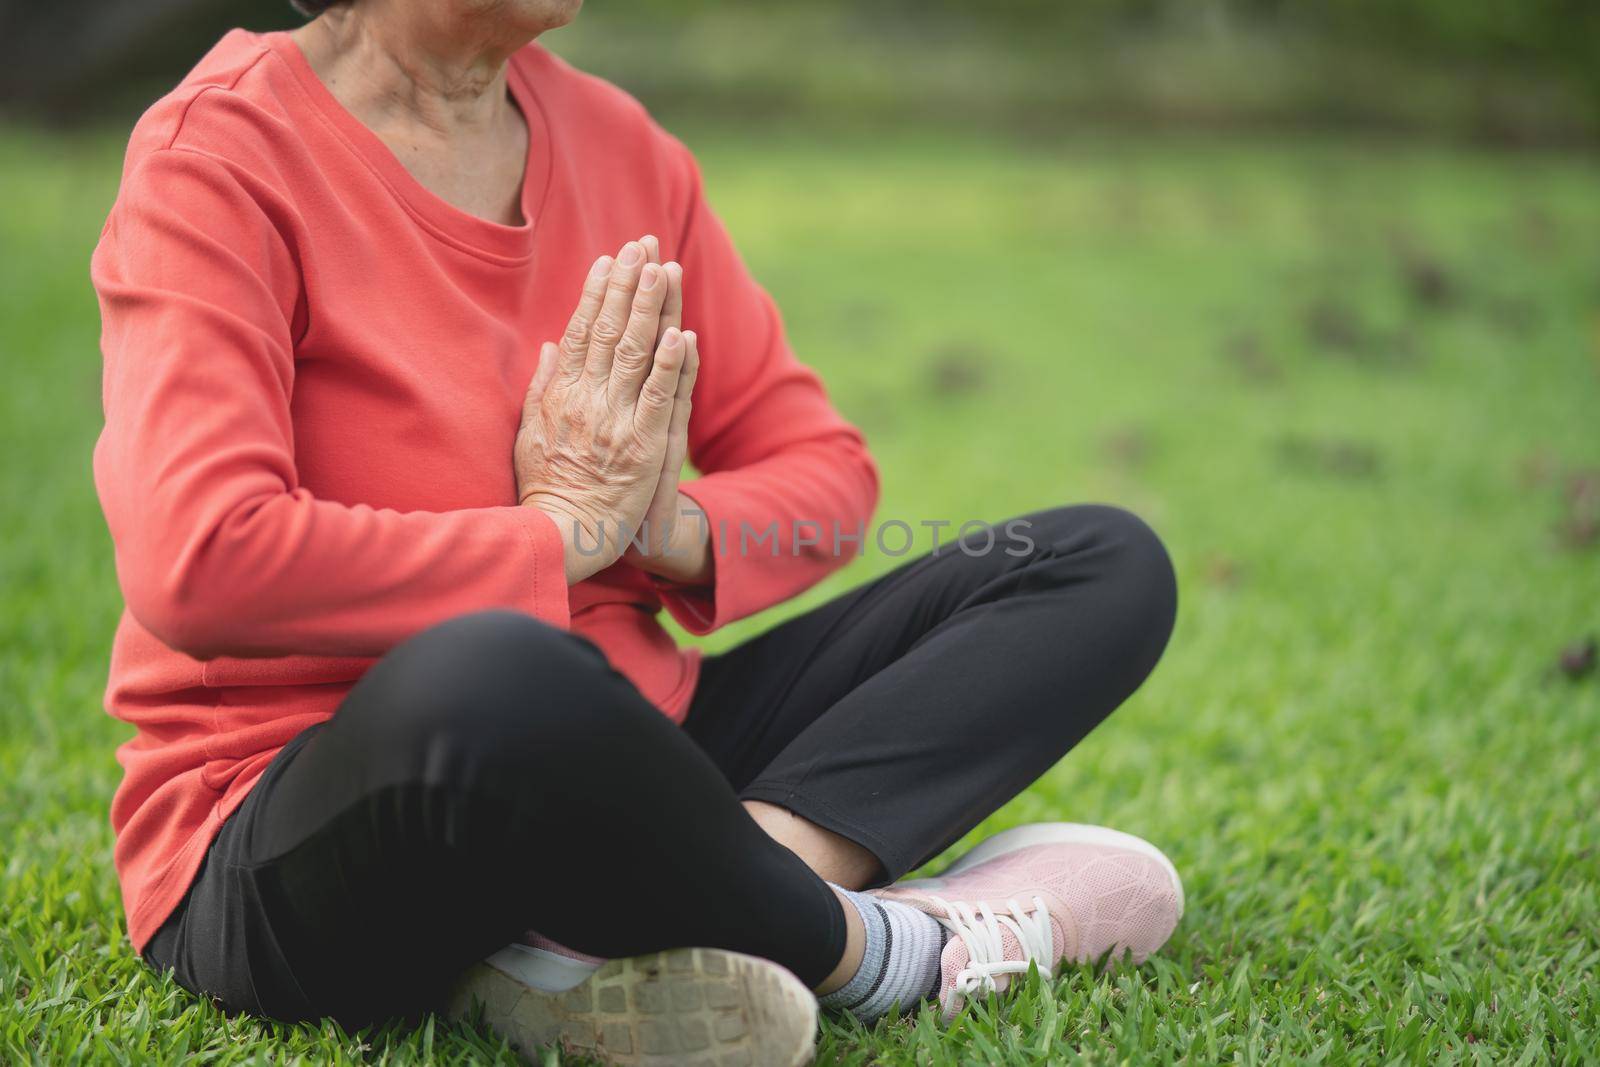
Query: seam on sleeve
column 183, row 116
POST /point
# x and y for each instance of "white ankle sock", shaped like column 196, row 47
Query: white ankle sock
column 900, row 964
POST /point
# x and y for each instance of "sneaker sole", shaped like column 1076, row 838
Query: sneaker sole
column 1054, row 833
column 693, row 1007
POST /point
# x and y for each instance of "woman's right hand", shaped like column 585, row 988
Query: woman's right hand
column 595, row 421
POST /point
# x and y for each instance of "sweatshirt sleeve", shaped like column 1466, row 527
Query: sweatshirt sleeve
column 786, row 482
column 219, row 550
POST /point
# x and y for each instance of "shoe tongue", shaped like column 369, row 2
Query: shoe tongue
column 952, row 961
column 957, row 955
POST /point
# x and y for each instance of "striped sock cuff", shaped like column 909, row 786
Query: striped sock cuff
column 900, row 964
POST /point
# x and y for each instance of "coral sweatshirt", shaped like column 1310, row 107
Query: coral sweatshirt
column 314, row 370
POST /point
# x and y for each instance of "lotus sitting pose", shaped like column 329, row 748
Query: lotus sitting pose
column 409, row 332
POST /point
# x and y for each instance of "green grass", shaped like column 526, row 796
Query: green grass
column 1348, row 384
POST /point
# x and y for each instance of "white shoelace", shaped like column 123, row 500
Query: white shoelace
column 981, row 931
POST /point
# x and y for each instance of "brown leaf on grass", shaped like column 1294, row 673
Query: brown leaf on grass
column 1429, row 282
column 1335, row 325
column 1583, row 488
column 1332, row 456
column 1579, row 525
column 1577, row 660
column 958, row 369
column 1337, row 328
column 1246, row 352
column 1578, row 533
column 1129, row 447
column 1221, row 570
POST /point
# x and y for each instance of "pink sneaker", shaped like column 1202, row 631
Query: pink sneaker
column 1045, row 893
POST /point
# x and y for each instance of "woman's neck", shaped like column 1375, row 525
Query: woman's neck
column 390, row 62
column 435, row 96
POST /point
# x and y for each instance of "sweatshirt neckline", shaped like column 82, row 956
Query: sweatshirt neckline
column 490, row 240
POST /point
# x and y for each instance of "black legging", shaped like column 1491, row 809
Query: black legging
column 495, row 775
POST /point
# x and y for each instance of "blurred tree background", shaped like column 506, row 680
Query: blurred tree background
column 1514, row 72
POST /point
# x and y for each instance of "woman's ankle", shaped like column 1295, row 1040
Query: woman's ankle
column 855, row 945
column 834, row 858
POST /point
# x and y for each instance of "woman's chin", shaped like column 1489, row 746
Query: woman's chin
column 525, row 16
column 555, row 13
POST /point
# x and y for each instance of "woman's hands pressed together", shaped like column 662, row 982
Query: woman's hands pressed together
column 605, row 423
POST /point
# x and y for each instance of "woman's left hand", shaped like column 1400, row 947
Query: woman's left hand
column 675, row 541
column 676, row 535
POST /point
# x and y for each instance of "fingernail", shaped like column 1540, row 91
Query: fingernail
column 652, row 274
column 601, row 268
column 672, row 338
column 631, row 255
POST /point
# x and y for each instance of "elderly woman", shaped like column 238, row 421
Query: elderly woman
column 393, row 571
